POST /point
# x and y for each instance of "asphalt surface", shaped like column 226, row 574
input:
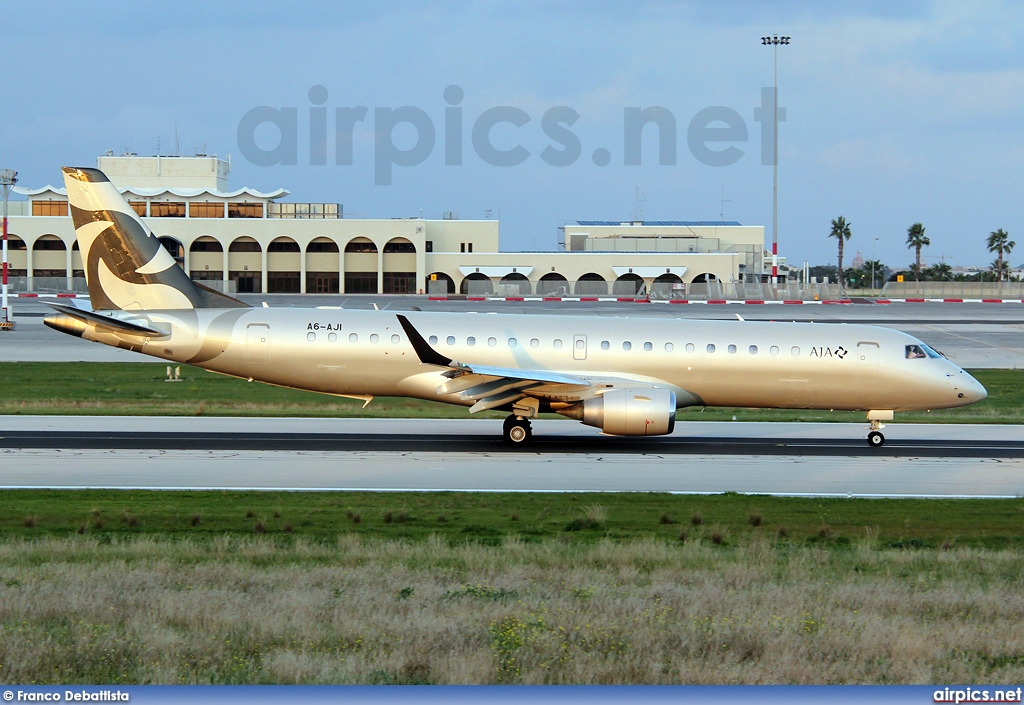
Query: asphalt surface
column 412, row 454
column 554, row 444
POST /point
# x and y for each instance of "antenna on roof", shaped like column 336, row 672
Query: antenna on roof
column 638, row 211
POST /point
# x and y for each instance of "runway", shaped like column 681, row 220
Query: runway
column 436, row 455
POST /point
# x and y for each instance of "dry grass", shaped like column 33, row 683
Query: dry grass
column 249, row 610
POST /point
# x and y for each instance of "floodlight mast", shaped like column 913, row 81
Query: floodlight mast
column 774, row 41
column 8, row 177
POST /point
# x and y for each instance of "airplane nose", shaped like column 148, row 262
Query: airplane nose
column 971, row 389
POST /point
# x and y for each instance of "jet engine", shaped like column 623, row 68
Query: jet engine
column 628, row 412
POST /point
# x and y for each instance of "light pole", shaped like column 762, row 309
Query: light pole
column 774, row 41
column 8, row 177
column 873, row 245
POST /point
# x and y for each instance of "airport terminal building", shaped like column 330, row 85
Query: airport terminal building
column 246, row 240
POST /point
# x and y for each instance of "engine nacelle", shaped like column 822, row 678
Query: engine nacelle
column 628, row 412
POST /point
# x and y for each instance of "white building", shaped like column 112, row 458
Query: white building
column 255, row 241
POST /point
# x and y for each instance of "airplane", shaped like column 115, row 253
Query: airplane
column 625, row 376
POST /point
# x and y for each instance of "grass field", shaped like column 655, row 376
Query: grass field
column 352, row 610
column 492, row 518
column 139, row 389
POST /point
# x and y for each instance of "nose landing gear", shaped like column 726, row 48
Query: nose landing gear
column 516, row 430
column 875, row 419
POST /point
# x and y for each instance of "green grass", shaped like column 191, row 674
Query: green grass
column 491, row 518
column 139, row 389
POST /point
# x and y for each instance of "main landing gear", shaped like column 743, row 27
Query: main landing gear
column 516, row 430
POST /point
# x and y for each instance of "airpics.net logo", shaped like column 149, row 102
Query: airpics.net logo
column 269, row 136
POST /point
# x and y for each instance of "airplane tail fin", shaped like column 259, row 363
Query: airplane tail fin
column 125, row 265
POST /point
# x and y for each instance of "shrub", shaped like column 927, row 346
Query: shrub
column 259, row 528
column 30, row 522
column 196, row 519
column 697, row 520
column 755, row 519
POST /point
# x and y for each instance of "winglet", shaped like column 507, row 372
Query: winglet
column 427, row 354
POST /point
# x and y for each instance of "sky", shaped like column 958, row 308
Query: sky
column 896, row 112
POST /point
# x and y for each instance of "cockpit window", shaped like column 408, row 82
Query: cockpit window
column 932, row 352
column 914, row 352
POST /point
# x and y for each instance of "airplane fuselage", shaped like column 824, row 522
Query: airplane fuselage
column 705, row 362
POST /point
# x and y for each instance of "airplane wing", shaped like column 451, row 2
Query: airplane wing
column 491, row 387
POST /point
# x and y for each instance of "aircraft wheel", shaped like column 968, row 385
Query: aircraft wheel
column 876, row 439
column 517, row 431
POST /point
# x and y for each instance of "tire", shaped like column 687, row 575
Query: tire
column 876, row 439
column 517, row 431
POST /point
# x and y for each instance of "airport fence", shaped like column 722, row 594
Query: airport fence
column 953, row 290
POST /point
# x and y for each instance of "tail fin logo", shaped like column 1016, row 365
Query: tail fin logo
column 126, row 267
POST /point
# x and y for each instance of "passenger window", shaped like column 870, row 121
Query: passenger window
column 332, row 337
column 353, row 338
column 732, row 349
column 311, row 336
column 689, row 347
column 470, row 341
column 605, row 345
column 626, row 345
column 395, row 338
column 711, row 347
column 492, row 342
column 669, row 347
column 914, row 352
column 774, row 350
column 795, row 351
column 512, row 342
column 648, row 347
column 580, row 344
column 534, row 343
column 450, row 340
column 557, row 344
column 433, row 340
column 374, row 338
column 752, row 350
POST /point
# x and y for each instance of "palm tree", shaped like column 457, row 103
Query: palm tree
column 841, row 232
column 939, row 272
column 1001, row 270
column 1000, row 242
column 916, row 239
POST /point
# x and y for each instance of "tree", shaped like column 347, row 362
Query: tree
column 875, row 272
column 1001, row 270
column 939, row 272
column 1000, row 242
column 916, row 239
column 841, row 232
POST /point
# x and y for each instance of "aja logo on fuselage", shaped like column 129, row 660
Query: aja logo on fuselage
column 839, row 352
